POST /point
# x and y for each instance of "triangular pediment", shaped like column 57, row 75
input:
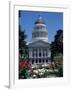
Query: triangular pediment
column 39, row 43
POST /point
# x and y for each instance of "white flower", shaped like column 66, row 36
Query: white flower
column 35, row 71
column 43, row 65
column 41, row 73
column 47, row 70
column 43, row 70
column 34, row 76
column 39, row 70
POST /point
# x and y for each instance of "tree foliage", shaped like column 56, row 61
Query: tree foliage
column 57, row 44
column 23, row 50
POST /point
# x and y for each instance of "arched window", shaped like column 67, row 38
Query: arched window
column 39, row 54
column 43, row 60
column 46, row 60
column 36, row 61
column 39, row 60
column 32, row 61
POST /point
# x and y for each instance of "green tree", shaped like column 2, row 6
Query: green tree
column 23, row 50
column 57, row 52
column 57, row 44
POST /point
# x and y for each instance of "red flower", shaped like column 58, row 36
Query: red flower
column 24, row 64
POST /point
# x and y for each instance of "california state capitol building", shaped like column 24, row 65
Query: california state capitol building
column 39, row 47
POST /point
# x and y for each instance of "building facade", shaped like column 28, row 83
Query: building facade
column 39, row 47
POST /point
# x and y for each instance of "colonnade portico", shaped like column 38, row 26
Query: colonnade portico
column 35, row 52
column 39, row 60
column 39, row 55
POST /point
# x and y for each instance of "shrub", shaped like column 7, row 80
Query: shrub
column 24, row 66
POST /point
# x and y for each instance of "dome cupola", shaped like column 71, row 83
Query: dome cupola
column 39, row 20
column 40, row 31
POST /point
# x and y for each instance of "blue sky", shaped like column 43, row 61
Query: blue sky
column 53, row 21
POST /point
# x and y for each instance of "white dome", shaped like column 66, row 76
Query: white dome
column 40, row 32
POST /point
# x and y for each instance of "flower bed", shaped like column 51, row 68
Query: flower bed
column 26, row 70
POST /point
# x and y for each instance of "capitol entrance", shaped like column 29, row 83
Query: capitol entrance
column 39, row 61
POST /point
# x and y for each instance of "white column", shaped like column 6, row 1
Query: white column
column 35, row 54
column 41, row 52
column 38, row 61
column 30, row 53
column 38, row 52
column 41, row 61
column 47, row 52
